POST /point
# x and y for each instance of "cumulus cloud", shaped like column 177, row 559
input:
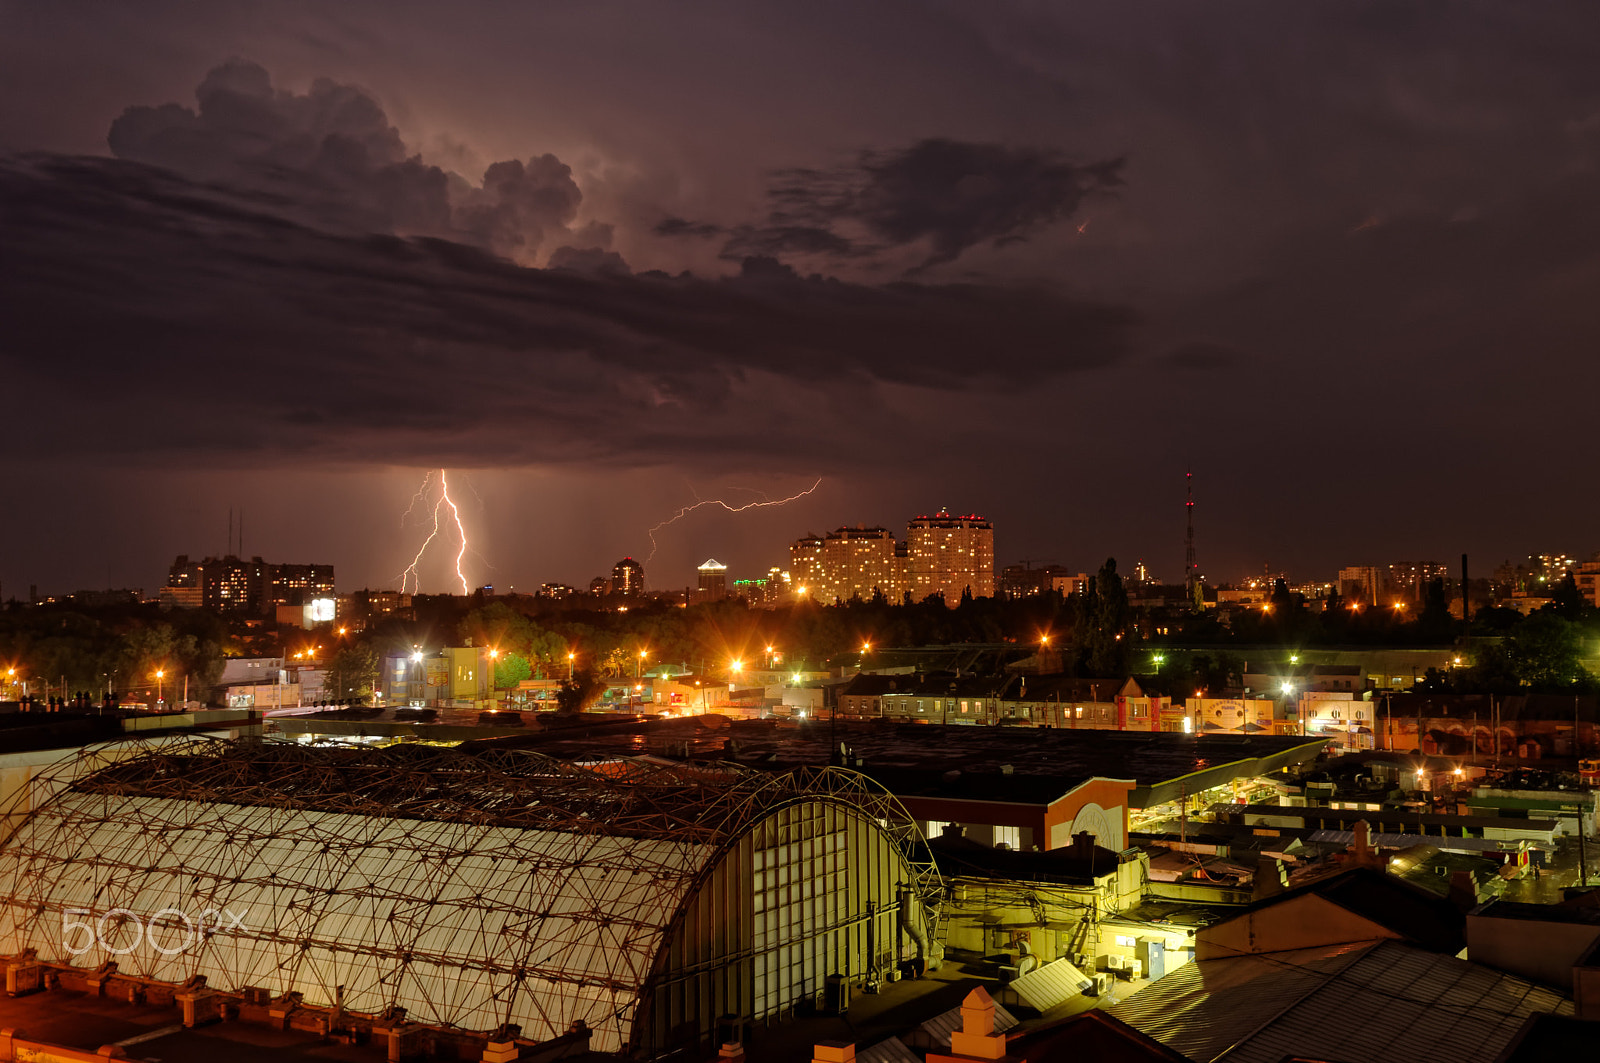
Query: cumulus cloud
column 330, row 157
column 940, row 197
column 187, row 319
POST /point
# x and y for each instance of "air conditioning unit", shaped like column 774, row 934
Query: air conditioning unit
column 1102, row 984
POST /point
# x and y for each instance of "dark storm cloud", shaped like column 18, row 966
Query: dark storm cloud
column 331, row 158
column 186, row 319
column 943, row 196
column 1203, row 355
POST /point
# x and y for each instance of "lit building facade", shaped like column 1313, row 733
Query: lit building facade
column 627, row 578
column 234, row 585
column 1359, row 583
column 848, row 563
column 713, row 581
column 805, row 562
column 1408, row 578
column 950, row 555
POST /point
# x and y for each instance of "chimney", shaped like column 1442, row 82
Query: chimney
column 1362, row 842
column 977, row 1038
column 1463, row 891
column 1083, row 844
column 834, row 1052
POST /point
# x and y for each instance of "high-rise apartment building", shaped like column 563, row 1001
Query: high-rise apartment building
column 950, row 555
column 940, row 555
column 235, row 585
column 848, row 563
column 1408, row 578
column 627, row 578
column 1359, row 583
column 297, row 584
column 713, row 581
column 805, row 563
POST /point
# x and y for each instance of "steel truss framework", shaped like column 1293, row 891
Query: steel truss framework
column 471, row 889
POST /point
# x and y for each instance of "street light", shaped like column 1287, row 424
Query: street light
column 571, row 657
column 638, row 669
column 160, row 674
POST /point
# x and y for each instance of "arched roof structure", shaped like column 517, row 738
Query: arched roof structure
column 473, row 890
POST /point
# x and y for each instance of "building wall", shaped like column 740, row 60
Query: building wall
column 1099, row 806
column 1532, row 948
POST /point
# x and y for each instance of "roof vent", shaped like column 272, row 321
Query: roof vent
column 1006, row 769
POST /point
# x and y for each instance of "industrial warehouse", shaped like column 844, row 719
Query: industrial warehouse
column 400, row 892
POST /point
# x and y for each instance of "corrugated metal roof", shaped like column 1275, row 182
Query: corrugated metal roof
column 893, row 1050
column 1386, row 1002
column 934, row 1034
column 1052, row 984
column 392, row 910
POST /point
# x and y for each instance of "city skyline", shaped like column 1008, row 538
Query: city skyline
column 682, row 551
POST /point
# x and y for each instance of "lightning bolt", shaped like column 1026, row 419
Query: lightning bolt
column 444, row 496
column 410, row 577
column 686, row 510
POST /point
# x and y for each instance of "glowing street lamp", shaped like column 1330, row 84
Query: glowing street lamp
column 638, row 669
column 571, row 657
column 160, row 674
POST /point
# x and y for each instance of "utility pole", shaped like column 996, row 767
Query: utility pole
column 1191, row 568
column 1583, row 860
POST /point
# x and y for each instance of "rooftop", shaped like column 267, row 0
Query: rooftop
column 1414, row 1006
column 1016, row 764
column 1419, row 916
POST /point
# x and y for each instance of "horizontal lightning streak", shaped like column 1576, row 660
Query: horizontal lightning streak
column 686, row 510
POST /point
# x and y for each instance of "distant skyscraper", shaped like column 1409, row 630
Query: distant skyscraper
column 1359, row 583
column 627, row 578
column 713, row 581
column 950, row 555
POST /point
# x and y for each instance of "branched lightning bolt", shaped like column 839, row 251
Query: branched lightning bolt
column 420, row 496
column 686, row 510
column 444, row 496
column 410, row 577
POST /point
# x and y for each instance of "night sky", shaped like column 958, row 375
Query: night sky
column 601, row 260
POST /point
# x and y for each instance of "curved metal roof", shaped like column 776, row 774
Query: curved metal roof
column 472, row 890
